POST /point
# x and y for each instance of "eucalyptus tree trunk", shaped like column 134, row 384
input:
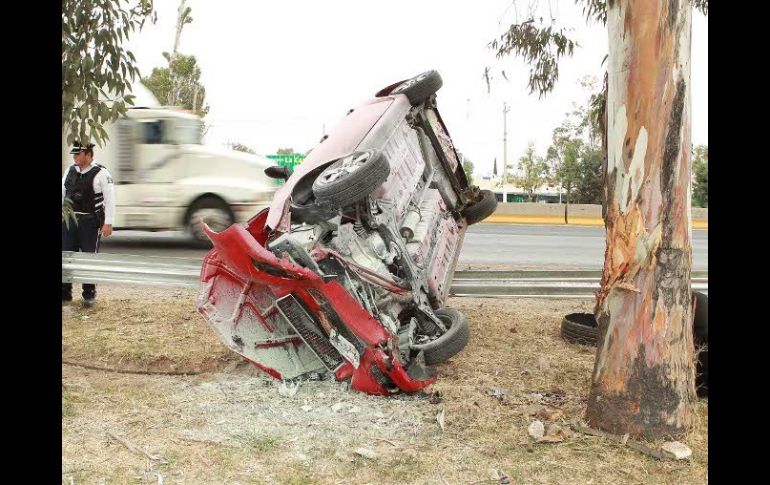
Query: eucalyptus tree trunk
column 643, row 379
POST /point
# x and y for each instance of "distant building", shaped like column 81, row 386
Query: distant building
column 511, row 193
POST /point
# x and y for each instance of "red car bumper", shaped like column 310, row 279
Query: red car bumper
column 288, row 321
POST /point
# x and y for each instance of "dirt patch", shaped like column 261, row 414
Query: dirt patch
column 142, row 329
column 236, row 427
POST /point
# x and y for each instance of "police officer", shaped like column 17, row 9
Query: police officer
column 90, row 188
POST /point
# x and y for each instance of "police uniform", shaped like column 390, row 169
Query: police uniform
column 93, row 201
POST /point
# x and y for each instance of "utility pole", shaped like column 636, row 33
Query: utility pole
column 182, row 19
column 505, row 142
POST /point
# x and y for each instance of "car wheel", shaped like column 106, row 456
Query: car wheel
column 580, row 328
column 215, row 212
column 351, row 178
column 420, row 87
column 483, row 208
column 449, row 343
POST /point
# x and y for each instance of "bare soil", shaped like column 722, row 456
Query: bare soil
column 231, row 424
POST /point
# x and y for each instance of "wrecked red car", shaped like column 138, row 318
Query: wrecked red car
column 349, row 269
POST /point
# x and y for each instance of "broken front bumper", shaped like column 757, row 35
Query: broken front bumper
column 289, row 322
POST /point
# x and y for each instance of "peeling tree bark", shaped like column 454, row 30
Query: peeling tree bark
column 643, row 379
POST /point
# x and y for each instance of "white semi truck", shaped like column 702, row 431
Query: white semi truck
column 166, row 179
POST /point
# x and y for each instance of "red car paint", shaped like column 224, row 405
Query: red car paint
column 283, row 294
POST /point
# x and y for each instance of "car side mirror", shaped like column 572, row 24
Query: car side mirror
column 278, row 172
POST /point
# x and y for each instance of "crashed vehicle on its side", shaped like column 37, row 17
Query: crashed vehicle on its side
column 349, row 269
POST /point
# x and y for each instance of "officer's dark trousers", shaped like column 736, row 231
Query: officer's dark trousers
column 83, row 236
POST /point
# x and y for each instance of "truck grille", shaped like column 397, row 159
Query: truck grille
column 309, row 331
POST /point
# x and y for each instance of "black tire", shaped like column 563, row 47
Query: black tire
column 701, row 317
column 217, row 206
column 478, row 211
column 580, row 328
column 701, row 337
column 420, row 87
column 449, row 344
column 351, row 178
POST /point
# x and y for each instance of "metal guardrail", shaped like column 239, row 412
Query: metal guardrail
column 540, row 283
column 77, row 267
column 184, row 272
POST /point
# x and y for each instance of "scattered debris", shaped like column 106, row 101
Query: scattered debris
column 556, row 434
column 366, row 453
column 307, row 408
column 497, row 392
column 440, row 419
column 548, row 414
column 160, row 479
column 678, row 450
column 340, row 406
column 536, row 429
column 388, row 442
column 288, row 389
column 623, row 440
column 499, row 476
column 337, row 406
column 534, row 396
column 134, row 449
column 555, row 397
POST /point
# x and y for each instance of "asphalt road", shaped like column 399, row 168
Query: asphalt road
column 510, row 245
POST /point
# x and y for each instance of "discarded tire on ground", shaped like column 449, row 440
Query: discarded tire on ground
column 701, row 337
column 580, row 328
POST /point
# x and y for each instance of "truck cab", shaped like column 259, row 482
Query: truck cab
column 166, row 179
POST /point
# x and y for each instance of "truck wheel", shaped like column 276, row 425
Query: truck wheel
column 420, row 87
column 215, row 212
column 483, row 208
column 450, row 343
column 351, row 178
